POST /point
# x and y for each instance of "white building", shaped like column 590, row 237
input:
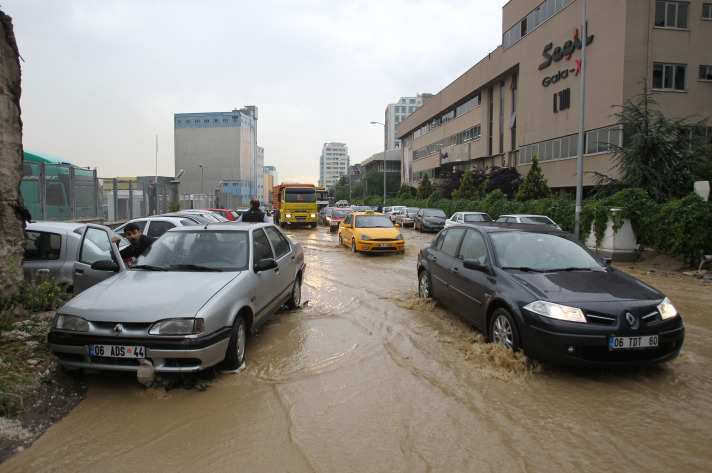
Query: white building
column 396, row 113
column 333, row 164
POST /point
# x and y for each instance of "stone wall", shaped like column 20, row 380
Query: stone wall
column 12, row 236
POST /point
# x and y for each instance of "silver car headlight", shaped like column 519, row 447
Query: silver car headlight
column 556, row 311
column 364, row 237
column 190, row 326
column 399, row 237
column 71, row 322
column 667, row 310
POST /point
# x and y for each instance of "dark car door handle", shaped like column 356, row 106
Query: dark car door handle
column 433, row 259
column 79, row 271
column 454, row 270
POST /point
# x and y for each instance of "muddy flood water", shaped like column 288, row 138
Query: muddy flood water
column 366, row 377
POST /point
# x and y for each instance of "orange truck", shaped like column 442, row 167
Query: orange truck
column 294, row 204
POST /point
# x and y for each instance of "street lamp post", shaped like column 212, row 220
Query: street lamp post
column 202, row 182
column 384, row 159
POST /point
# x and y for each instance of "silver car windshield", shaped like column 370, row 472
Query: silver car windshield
column 199, row 250
column 542, row 252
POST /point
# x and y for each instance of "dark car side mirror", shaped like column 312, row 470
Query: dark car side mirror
column 607, row 261
column 476, row 266
column 105, row 265
column 265, row 264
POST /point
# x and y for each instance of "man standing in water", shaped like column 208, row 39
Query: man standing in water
column 254, row 214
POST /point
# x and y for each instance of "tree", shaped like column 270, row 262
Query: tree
column 341, row 189
column 663, row 156
column 467, row 188
column 404, row 192
column 425, row 189
column 374, row 182
column 451, row 183
column 506, row 179
column 535, row 185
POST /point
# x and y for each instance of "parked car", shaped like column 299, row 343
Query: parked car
column 63, row 252
column 157, row 225
column 206, row 214
column 429, row 220
column 227, row 213
column 406, row 215
column 468, row 217
column 324, row 215
column 370, row 232
column 337, row 216
column 528, row 219
column 393, row 211
column 541, row 290
column 188, row 303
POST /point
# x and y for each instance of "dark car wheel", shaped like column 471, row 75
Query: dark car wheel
column 296, row 298
column 341, row 240
column 424, row 289
column 353, row 246
column 235, row 354
column 503, row 331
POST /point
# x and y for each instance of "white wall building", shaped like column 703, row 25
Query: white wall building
column 333, row 163
column 396, row 113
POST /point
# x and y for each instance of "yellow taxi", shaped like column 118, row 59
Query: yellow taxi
column 370, row 231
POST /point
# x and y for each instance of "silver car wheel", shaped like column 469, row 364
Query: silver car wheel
column 296, row 297
column 235, row 354
column 503, row 331
column 424, row 285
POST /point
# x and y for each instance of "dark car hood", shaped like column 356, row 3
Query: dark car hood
column 578, row 287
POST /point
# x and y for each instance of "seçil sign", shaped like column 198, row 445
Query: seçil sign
column 559, row 53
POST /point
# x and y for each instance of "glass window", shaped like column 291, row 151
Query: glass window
column 671, row 14
column 260, row 247
column 707, row 11
column 279, row 241
column 705, row 72
column 669, row 76
column 158, row 228
column 473, row 247
column 96, row 246
column 451, row 241
column 42, row 246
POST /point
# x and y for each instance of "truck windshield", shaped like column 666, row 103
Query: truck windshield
column 302, row 196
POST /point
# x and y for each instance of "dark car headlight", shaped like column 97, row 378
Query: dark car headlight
column 399, row 237
column 364, row 237
column 556, row 311
column 667, row 310
column 190, row 326
column 71, row 322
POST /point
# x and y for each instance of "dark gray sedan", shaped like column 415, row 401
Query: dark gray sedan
column 429, row 220
column 188, row 303
column 540, row 290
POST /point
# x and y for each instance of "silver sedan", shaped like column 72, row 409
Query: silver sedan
column 187, row 304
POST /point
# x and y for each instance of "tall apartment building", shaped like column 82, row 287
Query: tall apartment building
column 333, row 163
column 523, row 99
column 217, row 146
column 396, row 113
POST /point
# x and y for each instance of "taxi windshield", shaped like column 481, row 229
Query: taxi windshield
column 373, row 221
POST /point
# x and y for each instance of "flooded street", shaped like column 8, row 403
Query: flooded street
column 366, row 377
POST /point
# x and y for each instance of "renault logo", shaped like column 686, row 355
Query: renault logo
column 118, row 328
column 628, row 316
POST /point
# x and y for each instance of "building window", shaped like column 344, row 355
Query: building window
column 671, row 14
column 669, row 76
column 705, row 72
column 707, row 11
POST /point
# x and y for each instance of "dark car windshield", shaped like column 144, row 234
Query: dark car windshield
column 542, row 251
column 186, row 251
column 373, row 221
column 341, row 213
column 434, row 213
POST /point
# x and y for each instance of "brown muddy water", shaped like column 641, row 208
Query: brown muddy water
column 366, row 377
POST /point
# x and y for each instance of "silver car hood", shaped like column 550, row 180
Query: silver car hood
column 146, row 296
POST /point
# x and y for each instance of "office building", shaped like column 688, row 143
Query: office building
column 218, row 146
column 333, row 163
column 396, row 113
column 524, row 98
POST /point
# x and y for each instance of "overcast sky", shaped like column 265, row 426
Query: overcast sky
column 101, row 78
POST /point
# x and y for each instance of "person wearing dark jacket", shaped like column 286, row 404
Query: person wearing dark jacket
column 254, row 214
column 139, row 241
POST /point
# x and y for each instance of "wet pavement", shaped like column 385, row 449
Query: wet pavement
column 368, row 377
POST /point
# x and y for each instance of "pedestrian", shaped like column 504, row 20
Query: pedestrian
column 379, row 209
column 139, row 241
column 254, row 214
